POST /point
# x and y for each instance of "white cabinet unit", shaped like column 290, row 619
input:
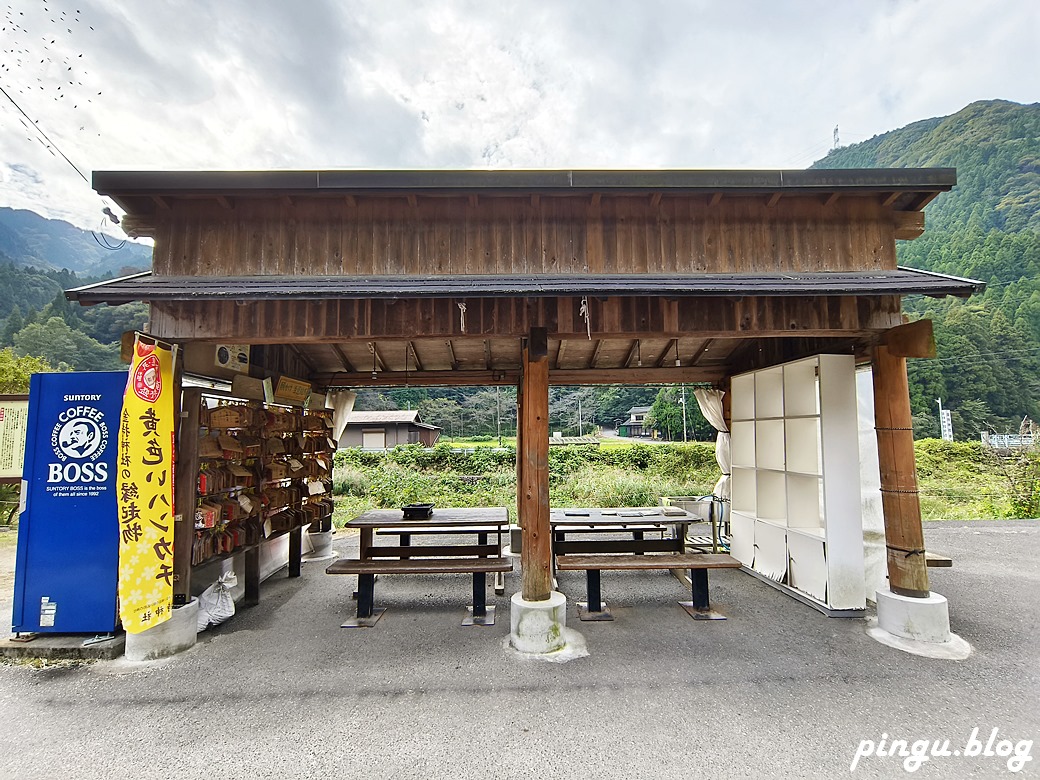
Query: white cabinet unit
column 795, row 512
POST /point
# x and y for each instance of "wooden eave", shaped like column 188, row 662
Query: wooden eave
column 152, row 288
column 142, row 194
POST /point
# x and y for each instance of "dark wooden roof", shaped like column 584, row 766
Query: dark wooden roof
column 146, row 287
column 134, row 190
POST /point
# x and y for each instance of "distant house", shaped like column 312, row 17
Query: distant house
column 383, row 430
column 634, row 425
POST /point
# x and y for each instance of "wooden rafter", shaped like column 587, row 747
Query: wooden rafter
column 451, row 355
column 303, row 358
column 415, row 357
column 225, row 202
column 701, row 349
column 347, row 365
column 663, row 358
column 715, row 199
column 772, row 200
column 830, row 199
column 559, row 353
column 595, row 353
column 633, row 351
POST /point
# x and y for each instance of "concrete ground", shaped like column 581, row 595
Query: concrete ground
column 778, row 690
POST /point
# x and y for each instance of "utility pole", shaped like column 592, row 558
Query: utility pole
column 498, row 414
column 579, row 416
column 682, row 400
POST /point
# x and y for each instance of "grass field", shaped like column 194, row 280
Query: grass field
column 957, row 480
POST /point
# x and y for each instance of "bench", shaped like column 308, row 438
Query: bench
column 367, row 569
column 698, row 564
column 482, row 531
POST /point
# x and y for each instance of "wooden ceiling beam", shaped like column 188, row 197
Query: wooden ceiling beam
column 469, row 378
column 633, row 352
column 303, row 358
column 908, row 224
column 343, row 359
column 662, row 359
column 701, row 349
column 415, row 357
column 595, row 353
column 559, row 353
column 378, row 364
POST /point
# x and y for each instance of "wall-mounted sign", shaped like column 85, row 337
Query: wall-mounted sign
column 291, row 391
column 234, row 357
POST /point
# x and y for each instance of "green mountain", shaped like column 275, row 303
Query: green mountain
column 27, row 239
column 987, row 228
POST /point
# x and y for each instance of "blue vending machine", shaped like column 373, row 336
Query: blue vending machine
column 67, row 564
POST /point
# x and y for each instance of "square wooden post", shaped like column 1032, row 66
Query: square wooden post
column 187, row 474
column 533, row 469
column 904, row 535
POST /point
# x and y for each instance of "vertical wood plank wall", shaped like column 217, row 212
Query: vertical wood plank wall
column 498, row 235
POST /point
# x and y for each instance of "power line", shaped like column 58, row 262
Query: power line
column 39, row 130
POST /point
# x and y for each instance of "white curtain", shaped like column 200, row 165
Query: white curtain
column 342, row 404
column 710, row 403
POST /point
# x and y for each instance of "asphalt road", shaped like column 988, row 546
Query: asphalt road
column 778, row 690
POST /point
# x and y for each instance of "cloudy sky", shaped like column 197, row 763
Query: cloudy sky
column 273, row 84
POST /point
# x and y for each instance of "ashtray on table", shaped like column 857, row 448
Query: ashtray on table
column 418, row 511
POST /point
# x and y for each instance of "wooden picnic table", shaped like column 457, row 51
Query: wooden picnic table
column 478, row 559
column 628, row 549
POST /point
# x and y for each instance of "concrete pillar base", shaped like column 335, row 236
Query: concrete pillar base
column 538, row 627
column 917, row 625
column 174, row 636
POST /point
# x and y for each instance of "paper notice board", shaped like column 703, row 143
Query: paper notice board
column 14, row 417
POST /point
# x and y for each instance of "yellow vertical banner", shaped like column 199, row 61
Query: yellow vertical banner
column 145, row 489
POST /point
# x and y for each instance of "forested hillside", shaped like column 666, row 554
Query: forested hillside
column 987, row 228
column 27, row 239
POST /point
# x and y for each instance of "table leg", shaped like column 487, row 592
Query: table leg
column 595, row 600
column 367, row 614
column 699, row 579
column 700, row 608
column 366, row 595
column 295, row 551
column 252, row 562
column 594, row 608
column 479, row 614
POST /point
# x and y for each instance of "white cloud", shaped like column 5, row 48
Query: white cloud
column 267, row 84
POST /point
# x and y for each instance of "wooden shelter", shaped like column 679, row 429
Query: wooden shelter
column 526, row 278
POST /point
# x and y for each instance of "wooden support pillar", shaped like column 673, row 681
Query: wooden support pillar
column 533, row 451
column 187, row 405
column 904, row 536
